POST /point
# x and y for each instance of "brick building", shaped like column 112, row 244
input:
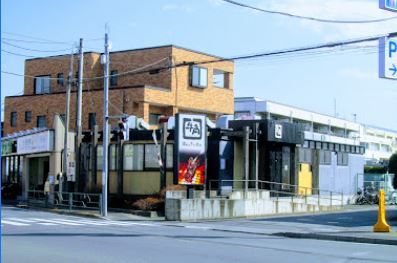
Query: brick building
column 205, row 88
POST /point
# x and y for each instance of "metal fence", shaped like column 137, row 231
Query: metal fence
column 68, row 200
column 280, row 191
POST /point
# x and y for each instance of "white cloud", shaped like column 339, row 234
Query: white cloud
column 336, row 10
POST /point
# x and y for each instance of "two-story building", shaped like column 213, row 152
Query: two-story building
column 205, row 88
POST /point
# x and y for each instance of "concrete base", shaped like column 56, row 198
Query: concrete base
column 240, row 204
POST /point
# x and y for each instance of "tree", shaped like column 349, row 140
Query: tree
column 393, row 168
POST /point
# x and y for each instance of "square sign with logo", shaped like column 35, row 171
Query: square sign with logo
column 190, row 149
column 278, row 131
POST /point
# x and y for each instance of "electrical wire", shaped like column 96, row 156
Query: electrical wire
column 37, row 38
column 321, row 20
column 36, row 50
column 143, row 70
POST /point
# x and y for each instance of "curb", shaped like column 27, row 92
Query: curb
column 366, row 240
column 62, row 212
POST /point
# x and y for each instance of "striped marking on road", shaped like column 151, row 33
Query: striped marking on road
column 13, row 223
column 57, row 221
column 70, row 222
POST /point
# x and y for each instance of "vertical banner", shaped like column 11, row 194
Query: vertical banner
column 190, row 149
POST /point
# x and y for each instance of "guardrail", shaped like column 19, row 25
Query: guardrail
column 69, row 200
column 309, row 195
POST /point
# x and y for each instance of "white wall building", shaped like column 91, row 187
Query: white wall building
column 379, row 143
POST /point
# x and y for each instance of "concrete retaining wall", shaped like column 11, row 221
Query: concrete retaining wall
column 250, row 204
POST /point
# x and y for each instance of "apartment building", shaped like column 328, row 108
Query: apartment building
column 195, row 88
column 380, row 143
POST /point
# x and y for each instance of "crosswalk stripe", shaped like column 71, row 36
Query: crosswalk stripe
column 59, row 222
column 21, row 220
column 46, row 224
column 84, row 222
column 13, row 223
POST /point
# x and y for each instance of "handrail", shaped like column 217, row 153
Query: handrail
column 295, row 190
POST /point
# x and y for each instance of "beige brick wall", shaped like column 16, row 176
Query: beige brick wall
column 166, row 92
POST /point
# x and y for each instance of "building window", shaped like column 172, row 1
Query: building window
column 42, row 84
column 113, row 157
column 113, row 78
column 342, row 159
column 151, row 157
column 198, row 77
column 154, row 118
column 99, row 157
column 63, row 117
column 219, row 78
column 133, row 157
column 325, row 157
column 91, row 120
column 41, row 121
column 28, row 116
column 60, row 79
column 13, row 119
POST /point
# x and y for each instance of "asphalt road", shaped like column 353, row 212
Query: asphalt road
column 33, row 236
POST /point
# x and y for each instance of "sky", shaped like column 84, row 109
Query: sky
column 348, row 77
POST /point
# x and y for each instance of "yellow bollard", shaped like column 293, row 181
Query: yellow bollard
column 381, row 225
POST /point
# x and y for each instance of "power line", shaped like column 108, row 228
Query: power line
column 36, row 50
column 321, row 20
column 34, row 41
column 16, row 54
column 37, row 38
column 143, row 69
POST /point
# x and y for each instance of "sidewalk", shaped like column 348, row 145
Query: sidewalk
column 353, row 225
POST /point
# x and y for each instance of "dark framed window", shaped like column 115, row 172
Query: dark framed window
column 133, row 157
column 325, row 157
column 63, row 117
column 13, row 119
column 113, row 78
column 151, row 156
column 342, row 159
column 41, row 121
column 91, row 120
column 42, row 84
column 198, row 77
column 154, row 118
column 77, row 75
column 28, row 116
column 60, row 79
column 219, row 78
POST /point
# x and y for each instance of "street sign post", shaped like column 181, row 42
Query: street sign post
column 390, row 5
column 388, row 57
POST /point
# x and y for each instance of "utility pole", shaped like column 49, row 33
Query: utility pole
column 65, row 146
column 78, row 114
column 105, row 129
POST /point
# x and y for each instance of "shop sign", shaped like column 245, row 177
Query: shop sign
column 191, row 148
column 6, row 147
column 278, row 131
column 34, row 143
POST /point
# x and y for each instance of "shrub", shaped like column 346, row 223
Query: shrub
column 149, row 204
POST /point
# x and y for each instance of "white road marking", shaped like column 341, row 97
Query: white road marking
column 46, row 224
column 57, row 221
column 21, row 220
column 13, row 223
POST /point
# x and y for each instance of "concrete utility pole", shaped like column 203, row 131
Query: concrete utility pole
column 78, row 114
column 105, row 129
column 65, row 146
